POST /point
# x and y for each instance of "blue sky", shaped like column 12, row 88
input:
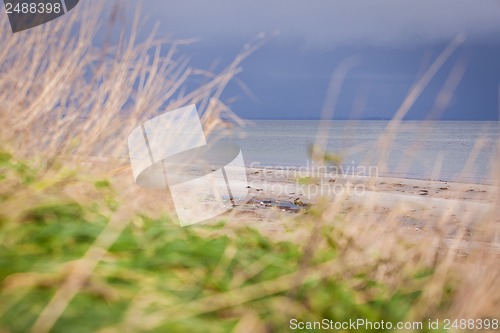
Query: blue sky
column 394, row 40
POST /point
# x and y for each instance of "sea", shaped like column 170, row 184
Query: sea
column 442, row 150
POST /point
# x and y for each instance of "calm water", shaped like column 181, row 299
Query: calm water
column 418, row 151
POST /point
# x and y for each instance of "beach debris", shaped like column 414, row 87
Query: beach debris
column 423, row 192
column 300, row 203
column 443, row 188
column 288, row 207
column 285, row 206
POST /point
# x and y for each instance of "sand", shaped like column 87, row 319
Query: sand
column 276, row 194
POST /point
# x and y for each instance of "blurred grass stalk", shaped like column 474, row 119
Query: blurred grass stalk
column 61, row 95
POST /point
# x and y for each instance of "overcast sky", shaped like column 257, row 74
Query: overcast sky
column 393, row 39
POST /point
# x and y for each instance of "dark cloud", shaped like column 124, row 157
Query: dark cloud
column 394, row 39
column 328, row 22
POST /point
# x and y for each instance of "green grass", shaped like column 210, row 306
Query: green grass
column 159, row 277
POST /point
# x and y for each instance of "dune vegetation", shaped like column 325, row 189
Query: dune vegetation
column 84, row 250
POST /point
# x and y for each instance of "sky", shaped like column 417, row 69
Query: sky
column 394, row 41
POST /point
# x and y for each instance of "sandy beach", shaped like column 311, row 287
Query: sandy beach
column 419, row 204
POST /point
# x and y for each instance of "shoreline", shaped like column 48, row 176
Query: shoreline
column 273, row 194
column 482, row 181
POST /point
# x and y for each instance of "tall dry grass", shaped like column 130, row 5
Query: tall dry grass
column 463, row 252
column 65, row 101
column 63, row 94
